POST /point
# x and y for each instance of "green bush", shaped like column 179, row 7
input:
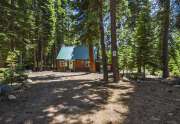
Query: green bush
column 14, row 75
column 1, row 77
column 15, row 72
column 12, row 58
column 8, row 75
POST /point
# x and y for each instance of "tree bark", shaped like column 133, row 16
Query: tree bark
column 144, row 71
column 54, row 55
column 165, row 37
column 91, row 58
column 40, row 55
column 103, row 48
column 114, row 41
column 35, row 60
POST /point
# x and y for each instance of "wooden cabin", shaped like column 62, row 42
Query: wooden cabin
column 75, row 58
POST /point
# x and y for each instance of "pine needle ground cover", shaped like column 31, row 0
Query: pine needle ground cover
column 81, row 98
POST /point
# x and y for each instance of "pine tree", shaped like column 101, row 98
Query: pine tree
column 165, row 36
column 115, row 66
column 103, row 48
column 143, row 38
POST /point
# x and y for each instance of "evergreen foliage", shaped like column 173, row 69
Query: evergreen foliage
column 33, row 31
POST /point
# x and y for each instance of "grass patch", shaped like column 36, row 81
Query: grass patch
column 2, row 69
column 1, row 77
column 1, row 73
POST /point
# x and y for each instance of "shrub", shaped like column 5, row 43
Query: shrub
column 8, row 75
column 16, row 74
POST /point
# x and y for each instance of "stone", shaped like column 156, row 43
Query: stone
column 29, row 81
column 170, row 114
column 177, row 86
column 155, row 118
column 11, row 97
column 177, row 100
column 125, row 79
column 172, row 122
column 60, row 119
column 74, row 121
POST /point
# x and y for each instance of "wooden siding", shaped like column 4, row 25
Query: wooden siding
column 81, row 65
column 78, row 65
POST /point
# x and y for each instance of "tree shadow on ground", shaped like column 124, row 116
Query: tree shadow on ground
column 54, row 76
column 46, row 102
column 57, row 101
column 150, row 103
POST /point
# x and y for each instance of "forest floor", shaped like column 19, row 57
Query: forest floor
column 81, row 98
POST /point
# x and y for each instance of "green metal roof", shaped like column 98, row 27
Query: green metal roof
column 75, row 53
column 66, row 53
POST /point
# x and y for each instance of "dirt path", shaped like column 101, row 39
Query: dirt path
column 80, row 98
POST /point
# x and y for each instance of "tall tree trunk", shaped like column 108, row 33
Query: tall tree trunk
column 54, row 54
column 165, row 36
column 91, row 58
column 12, row 42
column 114, row 40
column 139, row 65
column 103, row 48
column 59, row 36
column 139, row 69
column 144, row 71
column 40, row 55
column 35, row 60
